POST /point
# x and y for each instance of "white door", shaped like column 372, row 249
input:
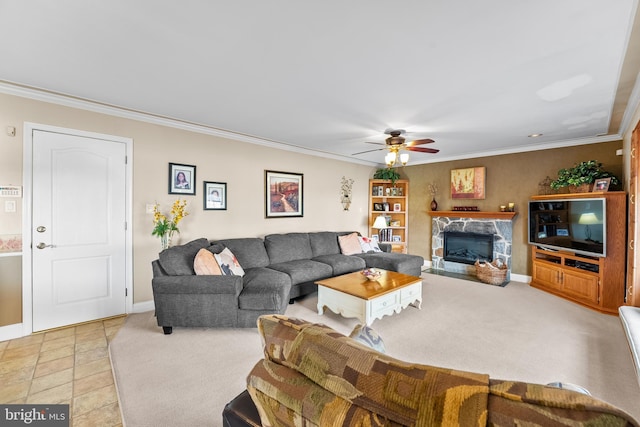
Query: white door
column 78, row 229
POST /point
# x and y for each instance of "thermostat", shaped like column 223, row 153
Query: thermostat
column 10, row 191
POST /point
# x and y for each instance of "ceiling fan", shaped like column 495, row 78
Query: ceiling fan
column 395, row 143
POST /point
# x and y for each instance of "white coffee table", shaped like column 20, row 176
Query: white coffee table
column 353, row 295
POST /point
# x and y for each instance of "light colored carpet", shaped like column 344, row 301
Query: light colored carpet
column 516, row 332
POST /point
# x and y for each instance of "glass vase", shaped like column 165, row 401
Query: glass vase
column 165, row 241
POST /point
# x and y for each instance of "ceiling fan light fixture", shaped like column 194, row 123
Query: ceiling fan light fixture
column 404, row 158
column 390, row 158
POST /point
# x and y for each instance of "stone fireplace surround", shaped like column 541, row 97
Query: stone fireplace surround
column 500, row 224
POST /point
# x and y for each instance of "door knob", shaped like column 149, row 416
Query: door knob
column 42, row 245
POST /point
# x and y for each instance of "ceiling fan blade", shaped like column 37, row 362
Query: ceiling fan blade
column 375, row 143
column 368, row 151
column 420, row 142
column 422, row 149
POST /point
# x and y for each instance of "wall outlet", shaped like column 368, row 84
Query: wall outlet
column 10, row 206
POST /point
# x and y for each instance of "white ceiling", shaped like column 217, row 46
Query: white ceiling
column 475, row 76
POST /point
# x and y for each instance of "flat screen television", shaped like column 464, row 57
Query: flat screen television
column 575, row 225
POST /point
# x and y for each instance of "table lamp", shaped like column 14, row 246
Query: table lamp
column 380, row 223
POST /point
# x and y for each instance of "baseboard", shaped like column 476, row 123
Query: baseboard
column 144, row 306
column 10, row 332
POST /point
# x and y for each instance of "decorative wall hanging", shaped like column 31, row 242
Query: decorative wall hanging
column 283, row 194
column 468, row 183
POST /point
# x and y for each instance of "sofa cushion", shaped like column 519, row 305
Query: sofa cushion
column 250, row 251
column 349, row 244
column 388, row 390
column 342, row 264
column 305, row 270
column 402, row 263
column 229, row 263
column 288, row 247
column 205, row 263
column 178, row 260
column 264, row 289
column 324, row 243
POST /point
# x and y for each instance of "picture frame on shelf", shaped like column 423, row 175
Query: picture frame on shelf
column 468, row 183
column 283, row 194
column 396, row 238
column 397, row 207
column 601, row 184
column 215, row 196
column 182, row 179
column 378, row 207
column 395, row 223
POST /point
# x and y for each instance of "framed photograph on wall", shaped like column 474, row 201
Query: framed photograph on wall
column 182, row 179
column 283, row 194
column 468, row 183
column 215, row 196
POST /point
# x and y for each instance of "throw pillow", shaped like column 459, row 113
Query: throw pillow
column 349, row 244
column 368, row 245
column 205, row 263
column 367, row 336
column 228, row 263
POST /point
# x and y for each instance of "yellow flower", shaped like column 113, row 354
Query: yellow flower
column 162, row 225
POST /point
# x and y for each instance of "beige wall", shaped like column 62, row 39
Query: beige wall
column 510, row 178
column 240, row 165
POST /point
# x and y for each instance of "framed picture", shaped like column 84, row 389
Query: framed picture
column 395, row 223
column 182, row 179
column 396, row 238
column 396, row 207
column 215, row 196
column 283, row 194
column 601, row 184
column 378, row 207
column 468, row 183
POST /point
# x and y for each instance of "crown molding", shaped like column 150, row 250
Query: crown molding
column 43, row 95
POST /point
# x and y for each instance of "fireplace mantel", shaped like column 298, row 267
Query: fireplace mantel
column 474, row 214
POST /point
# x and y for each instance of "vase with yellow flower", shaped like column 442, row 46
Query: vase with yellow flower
column 164, row 227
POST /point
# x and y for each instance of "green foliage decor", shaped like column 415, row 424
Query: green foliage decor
column 582, row 173
column 388, row 173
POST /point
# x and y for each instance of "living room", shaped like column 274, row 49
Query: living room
column 240, row 162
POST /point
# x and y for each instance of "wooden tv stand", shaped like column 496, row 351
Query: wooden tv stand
column 595, row 282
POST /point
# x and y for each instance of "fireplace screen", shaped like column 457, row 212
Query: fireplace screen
column 466, row 248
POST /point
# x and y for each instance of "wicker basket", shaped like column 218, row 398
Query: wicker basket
column 491, row 273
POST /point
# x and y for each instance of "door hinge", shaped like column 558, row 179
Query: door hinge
column 126, row 160
column 125, row 225
column 126, row 292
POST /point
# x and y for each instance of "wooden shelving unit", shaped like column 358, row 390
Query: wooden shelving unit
column 395, row 199
column 596, row 282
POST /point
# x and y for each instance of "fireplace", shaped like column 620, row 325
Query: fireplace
column 467, row 248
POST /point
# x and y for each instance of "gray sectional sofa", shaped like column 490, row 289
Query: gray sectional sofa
column 278, row 269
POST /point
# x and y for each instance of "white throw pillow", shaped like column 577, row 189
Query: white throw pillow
column 228, row 263
column 368, row 245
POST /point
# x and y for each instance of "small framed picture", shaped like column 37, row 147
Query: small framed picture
column 378, row 207
column 396, row 207
column 562, row 232
column 601, row 184
column 283, row 194
column 395, row 223
column 394, row 191
column 397, row 239
column 182, row 179
column 215, row 196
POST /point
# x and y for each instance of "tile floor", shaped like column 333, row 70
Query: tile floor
column 68, row 366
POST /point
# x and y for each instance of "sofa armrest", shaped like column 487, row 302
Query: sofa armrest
column 385, row 247
column 197, row 285
column 630, row 318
